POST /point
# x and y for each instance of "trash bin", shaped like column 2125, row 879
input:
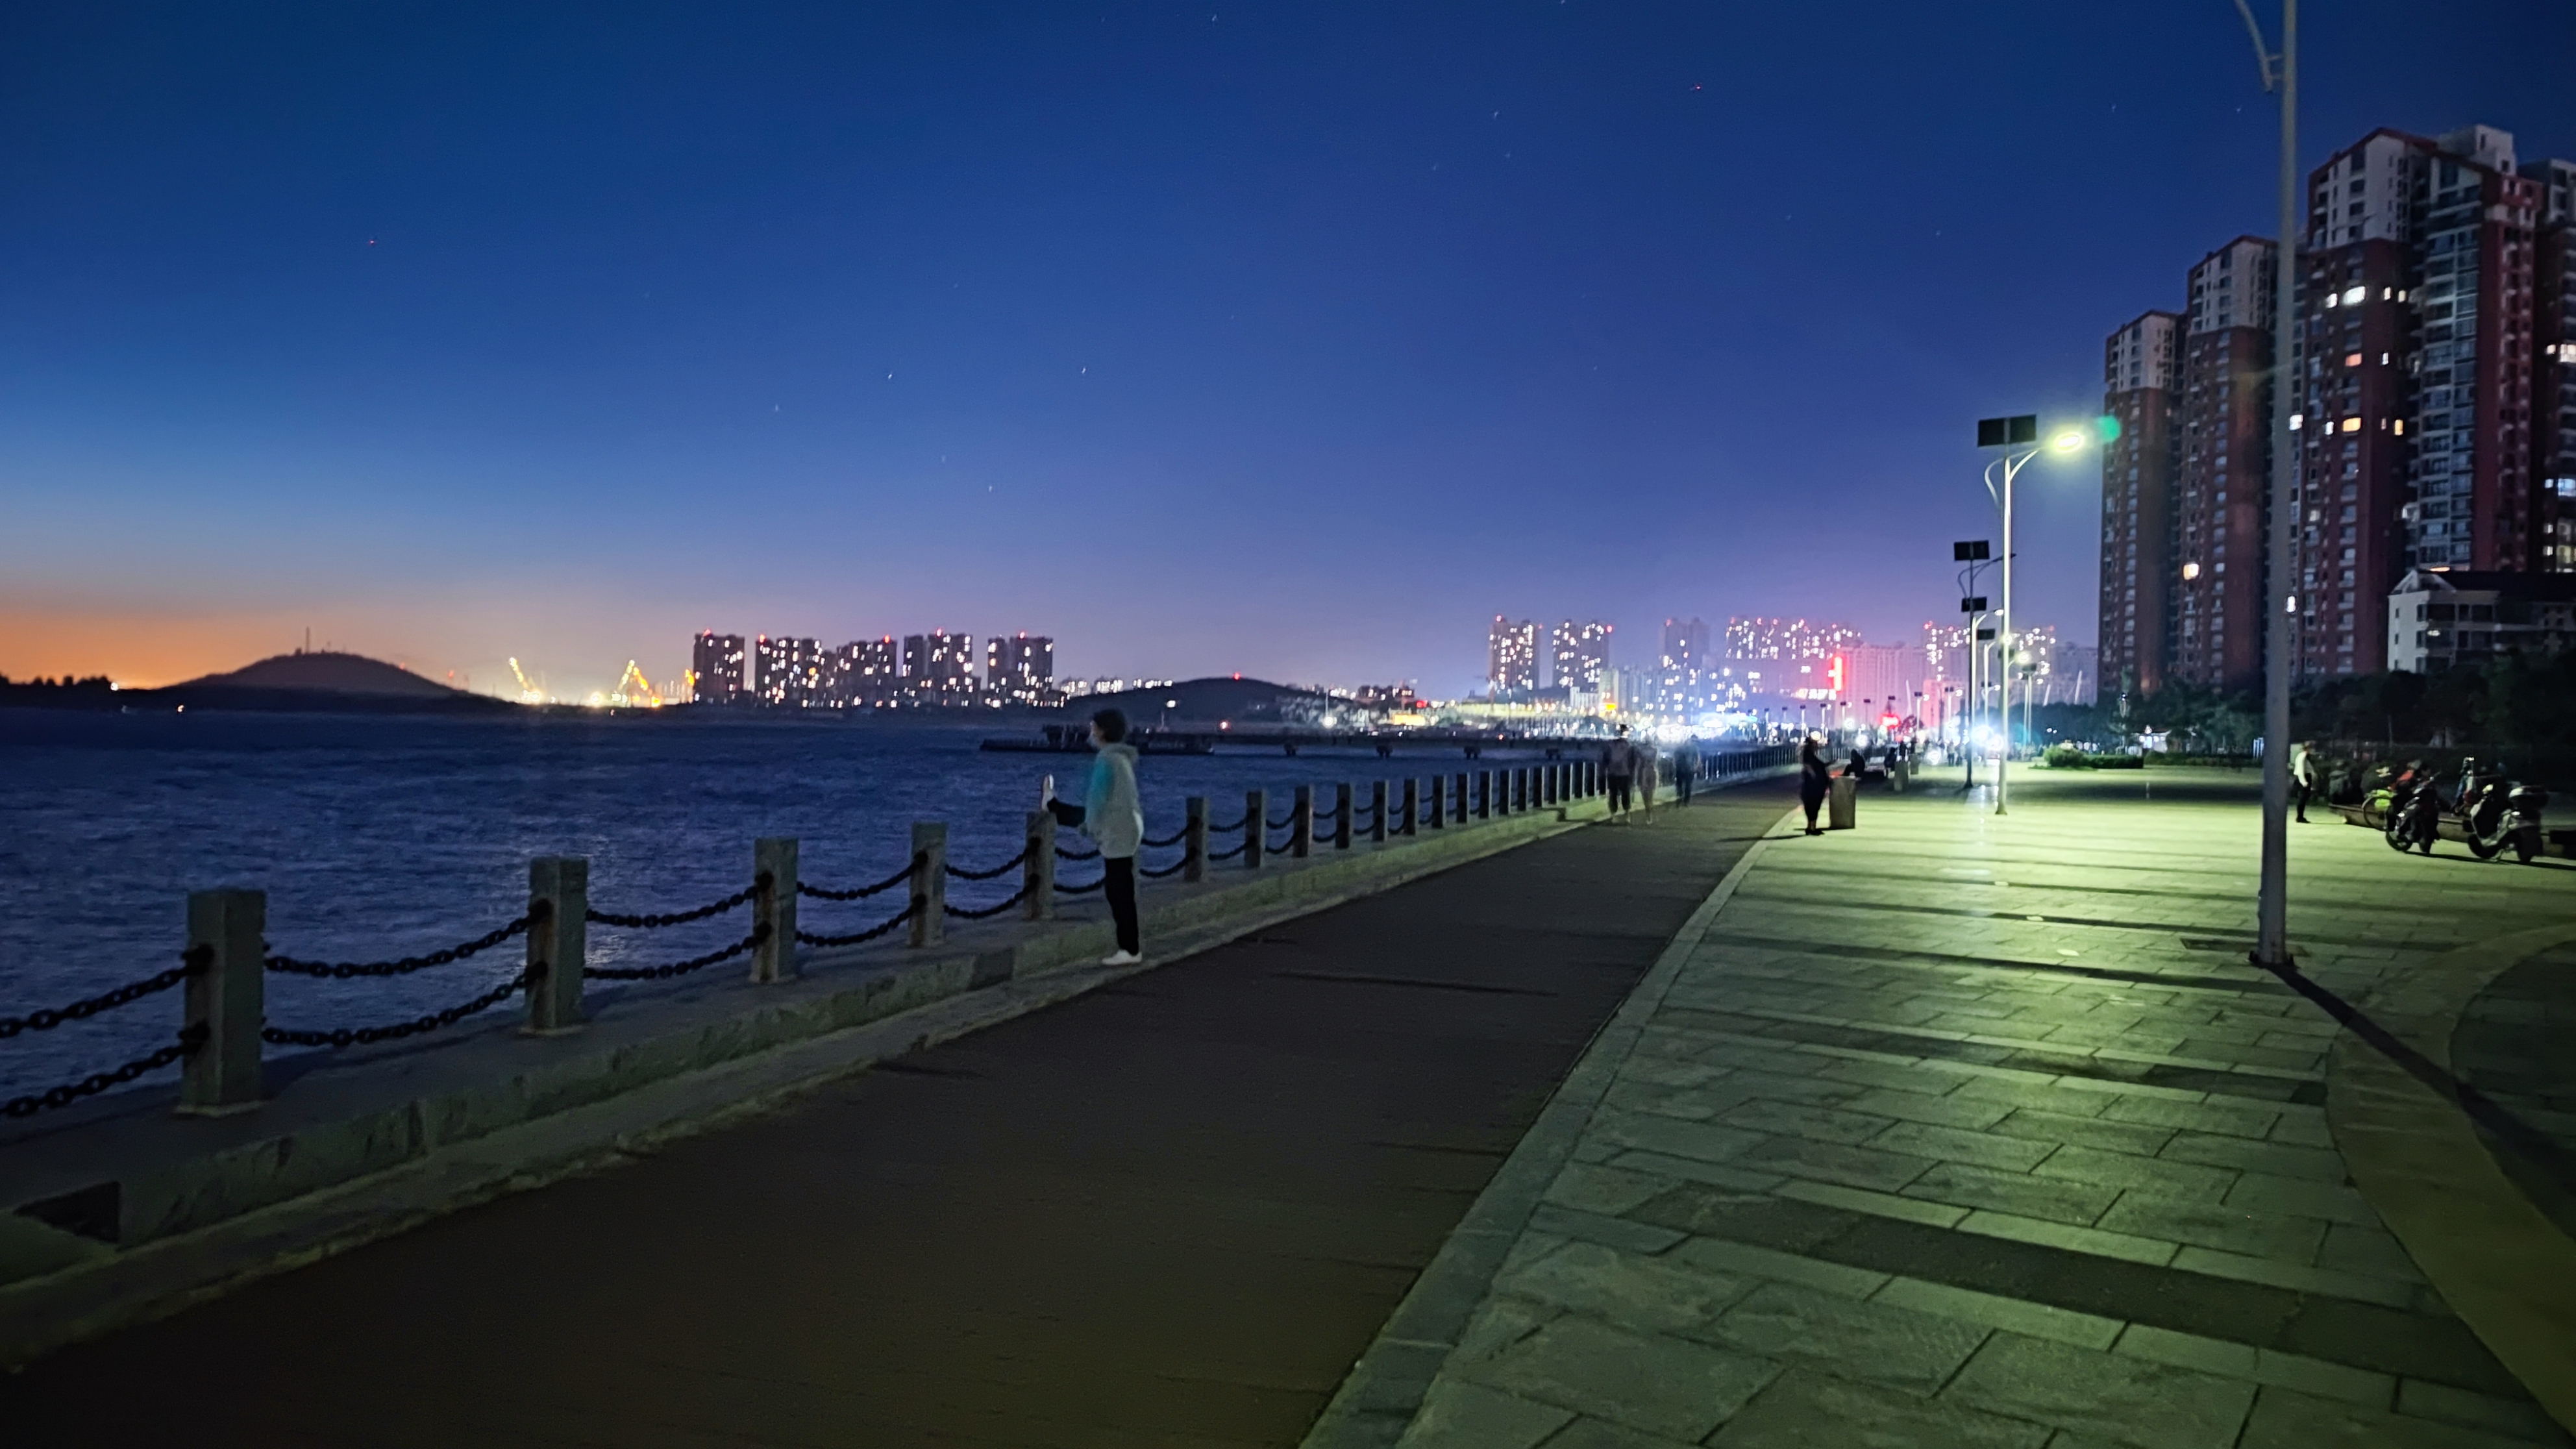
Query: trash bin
column 1843, row 803
column 1899, row 775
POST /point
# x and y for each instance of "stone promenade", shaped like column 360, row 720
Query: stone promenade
column 1967, row 1130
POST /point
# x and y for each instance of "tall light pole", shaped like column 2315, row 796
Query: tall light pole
column 2280, row 640
column 2018, row 437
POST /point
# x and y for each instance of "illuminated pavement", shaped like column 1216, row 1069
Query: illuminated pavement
column 1965, row 1130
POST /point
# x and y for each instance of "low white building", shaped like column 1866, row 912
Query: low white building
column 2441, row 617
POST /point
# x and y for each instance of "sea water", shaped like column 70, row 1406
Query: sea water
column 378, row 837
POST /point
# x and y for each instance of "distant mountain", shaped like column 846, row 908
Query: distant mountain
column 327, row 682
column 327, row 673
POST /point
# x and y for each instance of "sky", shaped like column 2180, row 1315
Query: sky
column 1290, row 339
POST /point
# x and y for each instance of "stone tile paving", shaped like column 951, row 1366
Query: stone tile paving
column 1967, row 1130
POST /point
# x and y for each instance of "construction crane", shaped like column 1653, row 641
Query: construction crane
column 634, row 691
column 528, row 693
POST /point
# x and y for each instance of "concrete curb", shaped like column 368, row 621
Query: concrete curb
column 373, row 1143
column 1386, row 1386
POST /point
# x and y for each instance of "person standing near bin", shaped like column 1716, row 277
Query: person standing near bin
column 1815, row 778
column 1619, row 771
column 1114, row 817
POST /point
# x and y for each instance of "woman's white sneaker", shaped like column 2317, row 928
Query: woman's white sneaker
column 1122, row 958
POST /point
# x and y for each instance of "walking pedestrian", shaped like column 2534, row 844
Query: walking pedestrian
column 2303, row 775
column 1114, row 817
column 1648, row 764
column 1619, row 771
column 1685, row 769
column 1815, row 779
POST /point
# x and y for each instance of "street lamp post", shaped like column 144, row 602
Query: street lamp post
column 2272, row 909
column 2018, row 438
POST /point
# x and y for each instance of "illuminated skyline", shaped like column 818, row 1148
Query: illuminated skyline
column 1263, row 339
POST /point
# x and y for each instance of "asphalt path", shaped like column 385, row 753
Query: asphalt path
column 1168, row 1213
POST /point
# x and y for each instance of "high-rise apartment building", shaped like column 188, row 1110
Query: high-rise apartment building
column 2425, row 425
column 791, row 672
column 2222, row 437
column 1511, row 655
column 862, row 674
column 2553, row 381
column 716, row 668
column 1019, row 668
column 1754, row 638
column 1684, row 660
column 939, row 663
column 1578, row 654
column 2141, row 386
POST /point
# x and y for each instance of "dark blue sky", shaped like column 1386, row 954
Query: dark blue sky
column 1292, row 339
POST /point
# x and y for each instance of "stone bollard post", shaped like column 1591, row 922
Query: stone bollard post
column 929, row 882
column 1439, row 802
column 1194, row 824
column 1377, row 812
column 1037, row 873
column 1301, row 823
column 1458, row 809
column 773, row 904
column 1256, row 826
column 1553, row 773
column 1412, row 806
column 1520, row 788
column 227, row 941
column 558, row 941
column 1484, row 794
column 1342, row 816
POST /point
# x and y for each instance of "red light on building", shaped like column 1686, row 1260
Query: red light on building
column 1834, row 675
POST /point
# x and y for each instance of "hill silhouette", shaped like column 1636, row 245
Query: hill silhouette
column 327, row 672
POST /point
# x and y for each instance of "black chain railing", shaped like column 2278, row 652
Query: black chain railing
column 860, row 893
column 97, row 1082
column 345, row 1036
column 343, row 970
column 1230, row 827
column 1005, row 868
column 1283, row 822
column 1083, row 889
column 982, row 913
column 1063, row 854
column 191, row 962
column 1175, row 868
column 1175, row 838
column 1217, row 855
column 735, row 901
column 856, row 937
column 758, row 934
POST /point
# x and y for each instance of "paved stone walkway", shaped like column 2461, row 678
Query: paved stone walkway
column 1959, row 1130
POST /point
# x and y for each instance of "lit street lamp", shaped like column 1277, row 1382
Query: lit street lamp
column 2018, row 438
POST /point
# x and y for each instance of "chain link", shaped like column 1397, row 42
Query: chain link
column 1175, row 868
column 758, row 934
column 97, row 1082
column 1216, row 855
column 192, row 962
column 855, row 937
column 1283, row 822
column 1175, row 838
column 735, row 901
column 1005, row 868
column 343, row 970
column 1229, row 829
column 344, row 1036
column 1080, row 890
column 981, row 913
column 863, row 892
column 1063, row 854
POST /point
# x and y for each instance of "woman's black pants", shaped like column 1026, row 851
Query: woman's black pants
column 1121, row 890
column 1618, row 793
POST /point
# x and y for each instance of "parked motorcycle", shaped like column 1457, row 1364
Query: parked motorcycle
column 2497, row 813
column 2412, row 817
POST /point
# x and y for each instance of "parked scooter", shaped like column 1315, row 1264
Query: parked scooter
column 2412, row 818
column 2497, row 814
